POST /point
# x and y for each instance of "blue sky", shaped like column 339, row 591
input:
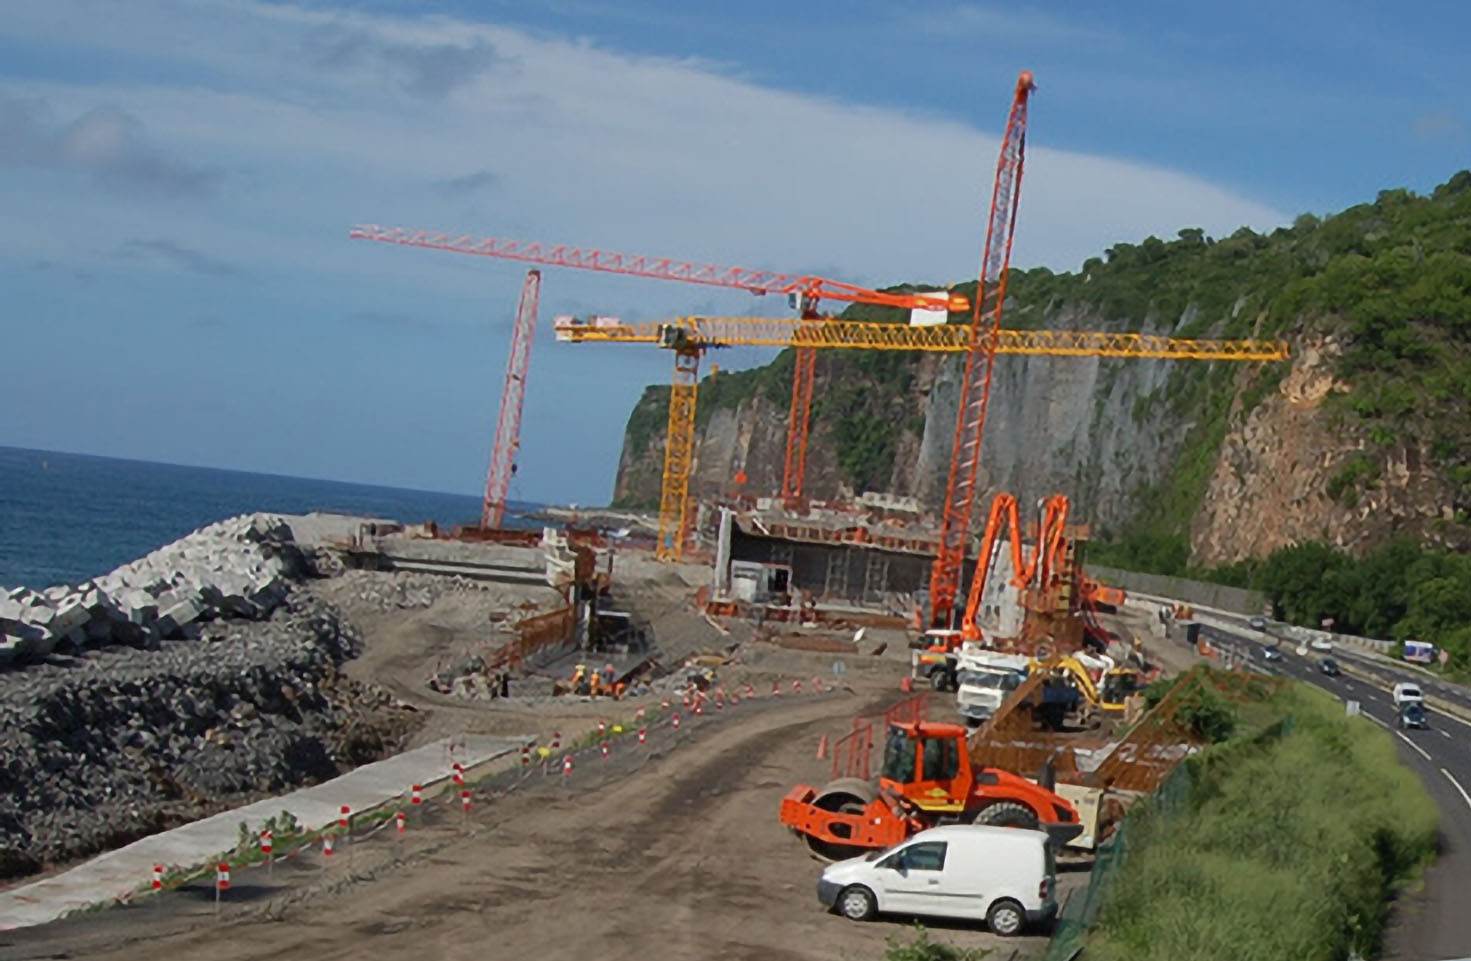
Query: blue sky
column 177, row 180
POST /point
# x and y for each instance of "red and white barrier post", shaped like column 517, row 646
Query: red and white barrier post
column 416, row 796
column 642, row 735
column 326, row 847
column 605, row 750
column 526, row 755
column 556, row 740
column 222, row 883
column 157, row 877
column 265, row 849
column 398, row 834
column 459, row 774
column 566, row 765
column 676, row 721
column 465, row 807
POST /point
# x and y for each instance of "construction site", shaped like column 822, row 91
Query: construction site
column 819, row 681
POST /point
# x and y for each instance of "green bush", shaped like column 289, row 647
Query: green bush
column 1289, row 849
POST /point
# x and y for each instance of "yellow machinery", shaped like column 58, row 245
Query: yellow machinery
column 689, row 337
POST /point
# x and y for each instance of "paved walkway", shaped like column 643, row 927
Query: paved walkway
column 117, row 873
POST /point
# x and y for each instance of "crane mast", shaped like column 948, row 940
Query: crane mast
column 980, row 362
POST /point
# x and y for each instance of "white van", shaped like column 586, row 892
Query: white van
column 1006, row 876
column 1407, row 692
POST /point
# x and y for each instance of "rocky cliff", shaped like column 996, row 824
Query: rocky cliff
column 1362, row 436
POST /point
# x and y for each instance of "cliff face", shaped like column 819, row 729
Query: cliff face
column 1363, row 436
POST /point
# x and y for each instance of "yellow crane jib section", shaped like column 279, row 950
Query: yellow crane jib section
column 951, row 338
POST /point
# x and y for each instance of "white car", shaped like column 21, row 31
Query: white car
column 1321, row 644
column 1004, row 876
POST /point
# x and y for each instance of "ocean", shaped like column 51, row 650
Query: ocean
column 66, row 518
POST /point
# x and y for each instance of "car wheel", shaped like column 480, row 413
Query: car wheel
column 938, row 681
column 1005, row 918
column 856, row 903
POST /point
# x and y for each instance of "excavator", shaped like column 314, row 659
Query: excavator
column 926, row 780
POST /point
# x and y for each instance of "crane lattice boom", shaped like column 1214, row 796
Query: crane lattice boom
column 508, row 422
column 945, row 338
column 980, row 361
column 662, row 268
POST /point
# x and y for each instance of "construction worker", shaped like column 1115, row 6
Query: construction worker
column 608, row 675
column 595, row 684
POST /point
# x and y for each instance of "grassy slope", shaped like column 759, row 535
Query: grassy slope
column 1289, row 847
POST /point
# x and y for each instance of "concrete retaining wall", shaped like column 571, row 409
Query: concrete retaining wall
column 1234, row 599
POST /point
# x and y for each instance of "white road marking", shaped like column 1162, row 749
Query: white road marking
column 1374, row 719
column 1442, row 733
column 1452, row 778
column 1420, row 750
column 1458, row 719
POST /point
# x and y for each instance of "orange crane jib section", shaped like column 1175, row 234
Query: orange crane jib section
column 980, row 361
column 1042, row 567
column 508, row 422
column 662, row 268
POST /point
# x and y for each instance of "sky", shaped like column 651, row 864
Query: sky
column 178, row 179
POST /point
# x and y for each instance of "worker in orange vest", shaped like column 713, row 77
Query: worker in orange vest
column 608, row 675
column 595, row 684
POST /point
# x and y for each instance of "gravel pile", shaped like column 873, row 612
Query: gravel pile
column 101, row 749
column 400, row 590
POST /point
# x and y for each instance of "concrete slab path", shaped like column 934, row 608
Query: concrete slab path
column 117, row 873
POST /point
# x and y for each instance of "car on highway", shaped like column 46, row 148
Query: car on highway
column 1412, row 714
column 1004, row 876
column 1258, row 623
column 1271, row 653
column 1329, row 667
column 1321, row 644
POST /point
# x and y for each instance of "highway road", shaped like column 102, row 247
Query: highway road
column 1436, row 923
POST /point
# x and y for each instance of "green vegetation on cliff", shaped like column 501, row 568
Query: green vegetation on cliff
column 1388, row 282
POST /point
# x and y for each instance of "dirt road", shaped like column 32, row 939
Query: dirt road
column 672, row 853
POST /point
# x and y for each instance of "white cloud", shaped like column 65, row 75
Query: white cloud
column 319, row 120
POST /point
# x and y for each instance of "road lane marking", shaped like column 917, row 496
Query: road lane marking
column 1452, row 778
column 1442, row 732
column 1376, row 720
column 1422, row 752
column 1454, row 717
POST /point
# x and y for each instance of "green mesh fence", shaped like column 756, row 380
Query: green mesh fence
column 1080, row 911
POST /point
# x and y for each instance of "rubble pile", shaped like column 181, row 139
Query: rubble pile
column 237, row 568
column 401, row 590
column 104, row 748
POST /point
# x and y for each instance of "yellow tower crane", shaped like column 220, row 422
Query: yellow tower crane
column 689, row 337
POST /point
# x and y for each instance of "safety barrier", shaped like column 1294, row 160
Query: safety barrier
column 596, row 752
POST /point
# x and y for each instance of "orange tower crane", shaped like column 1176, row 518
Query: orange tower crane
column 805, row 292
column 508, row 422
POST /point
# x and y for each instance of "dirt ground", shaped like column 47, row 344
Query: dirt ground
column 668, row 851
column 671, row 851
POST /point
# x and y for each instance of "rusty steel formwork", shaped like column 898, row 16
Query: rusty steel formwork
column 534, row 634
column 1015, row 740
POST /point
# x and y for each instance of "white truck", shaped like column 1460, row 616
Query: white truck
column 984, row 678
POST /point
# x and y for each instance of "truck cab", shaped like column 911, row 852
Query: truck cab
column 984, row 679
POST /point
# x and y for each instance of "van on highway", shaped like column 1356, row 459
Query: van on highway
column 1004, row 876
column 1407, row 692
